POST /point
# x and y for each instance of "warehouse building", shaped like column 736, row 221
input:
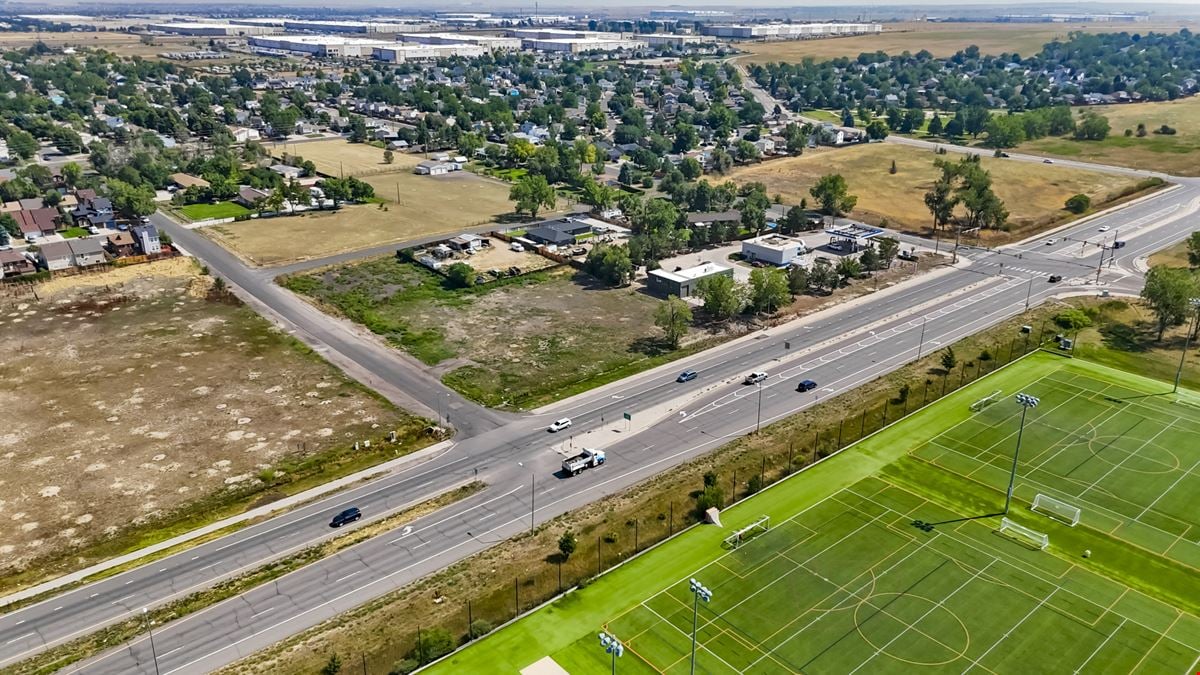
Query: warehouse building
column 683, row 283
column 794, row 31
column 401, row 53
column 773, row 249
column 364, row 27
column 580, row 45
column 489, row 42
column 676, row 41
column 319, row 45
column 211, row 29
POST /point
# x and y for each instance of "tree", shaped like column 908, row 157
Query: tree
column 984, row 208
column 531, row 193
column 336, row 189
column 333, row 666
column 869, row 259
column 892, row 168
column 888, row 248
column 723, row 297
column 1072, row 319
column 832, row 194
column 797, row 279
column 1193, row 250
column 22, row 144
column 673, row 317
column 1005, row 131
column 935, row 126
column 690, row 168
column 754, row 216
column 460, row 275
column 1168, row 291
column 597, row 195
column 567, row 544
column 849, row 268
column 388, row 156
column 1078, row 203
column 769, row 289
column 949, row 359
column 975, row 120
column 134, row 201
column 877, row 130
column 1091, row 127
column 9, row 225
column 434, row 643
column 611, row 264
column 71, row 173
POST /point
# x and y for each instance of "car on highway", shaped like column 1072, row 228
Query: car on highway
column 559, row 425
column 1055, row 278
column 1103, row 228
column 1047, row 161
column 687, row 376
column 345, row 517
column 755, row 377
column 806, row 385
column 1050, row 242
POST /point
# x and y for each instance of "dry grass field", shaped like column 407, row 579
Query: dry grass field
column 1177, row 154
column 412, row 207
column 1034, row 193
column 941, row 39
column 132, row 399
column 123, row 44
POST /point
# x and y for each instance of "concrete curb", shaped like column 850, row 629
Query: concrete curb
column 271, row 509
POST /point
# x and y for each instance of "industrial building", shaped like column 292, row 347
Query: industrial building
column 489, row 42
column 401, row 53
column 793, row 31
column 773, row 249
column 212, row 29
column 318, row 45
column 1075, row 18
column 574, row 41
column 676, row 41
column 684, row 282
column 364, row 27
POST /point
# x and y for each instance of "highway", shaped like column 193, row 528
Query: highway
column 840, row 349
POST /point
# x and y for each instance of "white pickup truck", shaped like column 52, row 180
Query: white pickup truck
column 584, row 460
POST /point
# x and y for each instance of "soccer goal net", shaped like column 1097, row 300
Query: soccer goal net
column 1024, row 535
column 1056, row 508
column 747, row 533
column 986, row 401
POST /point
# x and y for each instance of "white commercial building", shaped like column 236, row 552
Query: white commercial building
column 792, row 31
column 319, row 45
column 676, row 41
column 355, row 26
column 684, row 283
column 773, row 249
column 579, row 45
column 489, row 42
column 212, row 29
column 401, row 53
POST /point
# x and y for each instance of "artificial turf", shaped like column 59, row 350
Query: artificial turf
column 843, row 581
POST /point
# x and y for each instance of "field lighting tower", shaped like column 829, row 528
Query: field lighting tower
column 1187, row 339
column 699, row 592
column 612, row 646
column 1026, row 402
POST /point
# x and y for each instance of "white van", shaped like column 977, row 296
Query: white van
column 517, row 247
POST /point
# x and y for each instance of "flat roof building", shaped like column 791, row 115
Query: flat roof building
column 683, row 282
column 212, row 29
column 402, row 53
column 320, row 45
column 583, row 45
column 489, row 42
column 791, row 31
column 773, row 249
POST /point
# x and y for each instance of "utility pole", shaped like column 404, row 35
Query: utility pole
column 532, row 496
column 1195, row 303
column 921, row 344
column 758, row 424
column 150, row 630
column 1028, row 294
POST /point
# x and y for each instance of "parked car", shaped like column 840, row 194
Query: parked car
column 835, row 247
column 755, row 377
column 517, row 247
column 687, row 376
column 559, row 425
column 579, row 250
column 1055, row 278
column 92, row 229
column 345, row 517
column 806, row 385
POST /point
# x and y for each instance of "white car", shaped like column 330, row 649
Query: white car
column 1103, row 228
column 559, row 425
column 755, row 377
column 1051, row 242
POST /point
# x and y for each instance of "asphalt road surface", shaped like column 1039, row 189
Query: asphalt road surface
column 839, row 349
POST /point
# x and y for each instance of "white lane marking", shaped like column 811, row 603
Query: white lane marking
column 120, row 600
column 19, row 637
column 341, row 579
column 165, row 654
column 261, row 611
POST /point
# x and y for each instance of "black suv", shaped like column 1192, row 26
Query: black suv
column 348, row 516
column 806, row 385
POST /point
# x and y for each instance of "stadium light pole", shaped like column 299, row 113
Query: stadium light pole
column 699, row 592
column 1195, row 303
column 1026, row 402
column 612, row 646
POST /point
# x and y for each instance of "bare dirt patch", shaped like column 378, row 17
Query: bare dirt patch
column 130, row 396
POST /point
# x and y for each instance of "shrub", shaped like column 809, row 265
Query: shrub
column 712, row 496
column 754, row 484
column 460, row 275
column 985, row 355
column 404, row 667
column 1079, row 203
column 434, row 643
column 567, row 544
column 710, row 479
column 480, row 627
column 1072, row 319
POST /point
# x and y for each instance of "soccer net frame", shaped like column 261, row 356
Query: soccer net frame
column 747, row 533
column 1056, row 508
column 1024, row 535
column 986, row 401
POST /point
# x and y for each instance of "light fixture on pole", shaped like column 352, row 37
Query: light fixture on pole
column 153, row 652
column 699, row 592
column 612, row 646
column 1026, row 402
column 1195, row 303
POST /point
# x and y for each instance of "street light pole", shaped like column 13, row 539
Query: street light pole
column 699, row 592
column 153, row 652
column 1195, row 303
column 1026, row 402
column 612, row 646
column 921, row 343
column 758, row 424
column 1028, row 294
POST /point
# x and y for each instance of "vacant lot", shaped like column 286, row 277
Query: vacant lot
column 941, row 39
column 1177, row 154
column 123, row 44
column 1034, row 193
column 1175, row 255
column 218, row 210
column 411, row 207
column 138, row 405
column 517, row 343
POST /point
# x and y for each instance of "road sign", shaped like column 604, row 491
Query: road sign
column 627, row 416
column 787, row 344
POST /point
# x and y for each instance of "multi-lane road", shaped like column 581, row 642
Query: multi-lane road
column 517, row 458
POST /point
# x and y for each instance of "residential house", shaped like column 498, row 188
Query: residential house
column 560, row 232
column 468, row 242
column 146, row 237
column 247, row 196
column 88, row 251
column 121, row 244
column 244, row 134
column 14, row 263
column 709, row 217
column 433, row 168
column 290, row 172
column 31, row 203
column 56, row 255
column 38, row 222
column 96, row 211
column 186, row 180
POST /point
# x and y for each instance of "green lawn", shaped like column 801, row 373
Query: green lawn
column 210, row 211
column 74, row 233
column 843, row 579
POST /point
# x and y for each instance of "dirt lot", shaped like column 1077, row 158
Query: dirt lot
column 1034, row 193
column 942, row 39
column 516, row 343
column 499, row 256
column 122, row 44
column 1177, row 154
column 130, row 395
column 336, row 157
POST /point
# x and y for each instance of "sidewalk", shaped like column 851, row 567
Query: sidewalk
column 267, row 510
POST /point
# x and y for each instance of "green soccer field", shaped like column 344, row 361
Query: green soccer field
column 844, row 582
